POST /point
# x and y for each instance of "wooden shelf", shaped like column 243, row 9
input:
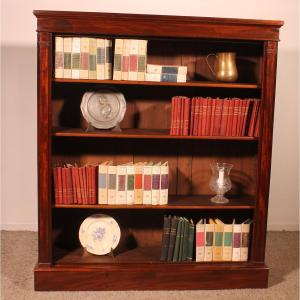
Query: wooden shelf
column 204, row 84
column 176, row 202
column 137, row 133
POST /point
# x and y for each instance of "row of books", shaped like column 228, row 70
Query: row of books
column 131, row 183
column 130, row 59
column 177, row 239
column 83, row 58
column 215, row 117
column 216, row 241
column 166, row 73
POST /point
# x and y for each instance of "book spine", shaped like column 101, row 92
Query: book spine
column 59, row 57
column 185, row 243
column 84, row 58
column 84, row 187
column 224, row 117
column 236, row 244
column 81, row 185
column 55, row 183
column 100, row 58
column 200, row 242
column 177, row 240
column 218, row 243
column 76, row 58
column 64, row 186
column 235, row 117
column 155, row 185
column 200, row 116
column 240, row 116
column 108, row 59
column 117, row 75
column 230, row 118
column 125, row 59
column 172, row 127
column 147, row 176
column 67, row 57
column 174, row 224
column 75, row 200
column 130, row 184
column 94, row 184
column 59, row 185
column 191, row 237
column 69, row 186
column 250, row 131
column 165, row 77
column 138, row 184
column 121, row 185
column 112, row 185
column 196, row 116
column 245, row 241
column 192, row 116
column 203, row 116
column 212, row 119
column 245, row 117
column 257, row 123
column 243, row 110
column 152, row 77
column 88, row 184
column 142, row 59
column 186, row 116
column 227, row 243
column 182, row 108
column 92, row 58
column 208, row 117
column 217, row 118
column 177, row 116
column 176, row 70
column 180, row 254
column 209, row 238
column 164, row 184
column 133, row 60
column 165, row 238
column 102, row 184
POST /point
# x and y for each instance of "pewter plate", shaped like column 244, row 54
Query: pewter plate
column 104, row 108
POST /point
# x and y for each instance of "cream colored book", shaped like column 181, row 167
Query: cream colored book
column 218, row 240
column 147, row 182
column 103, row 182
column 138, row 183
column 142, row 60
column 155, row 183
column 227, row 242
column 121, row 184
column 108, row 59
column 245, row 240
column 112, row 184
column 209, row 239
column 92, row 58
column 133, row 60
column 125, row 59
column 84, row 58
column 100, row 67
column 168, row 69
column 67, row 57
column 164, row 184
column 200, row 240
column 59, row 57
column 236, row 242
column 118, row 59
column 130, row 184
column 75, row 58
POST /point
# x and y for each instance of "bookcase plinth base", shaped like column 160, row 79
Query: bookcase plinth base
column 154, row 276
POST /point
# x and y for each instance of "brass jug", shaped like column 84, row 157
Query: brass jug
column 225, row 66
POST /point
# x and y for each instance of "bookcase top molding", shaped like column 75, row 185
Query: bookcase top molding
column 156, row 25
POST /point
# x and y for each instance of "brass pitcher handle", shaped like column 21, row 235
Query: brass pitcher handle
column 210, row 67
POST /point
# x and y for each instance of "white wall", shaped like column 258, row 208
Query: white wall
column 18, row 93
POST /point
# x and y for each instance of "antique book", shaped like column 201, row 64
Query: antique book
column 138, row 183
column 236, row 244
column 218, row 240
column 92, row 58
column 208, row 116
column 159, row 69
column 236, row 110
column 173, row 230
column 227, row 243
column 108, row 59
column 200, row 116
column 178, row 105
column 182, row 231
column 217, row 117
column 172, row 126
column 100, row 59
column 203, row 116
column 181, row 114
column 69, row 186
column 165, row 238
column 67, row 57
column 165, row 77
column 200, row 240
column 89, row 184
column 77, row 183
column 164, row 183
column 75, row 58
column 64, row 185
column 59, row 185
column 230, row 117
column 177, row 240
column 245, row 117
column 117, row 75
column 186, row 115
column 192, row 116
column 112, row 184
column 213, row 114
column 224, row 117
column 130, row 183
column 245, row 231
column 55, row 181
column 147, row 181
column 185, row 243
column 133, row 60
column 209, row 238
column 103, row 182
column 74, row 189
column 191, row 238
column 196, row 115
column 125, row 59
column 155, row 183
column 59, row 57
column 84, row 58
column 142, row 59
column 121, row 184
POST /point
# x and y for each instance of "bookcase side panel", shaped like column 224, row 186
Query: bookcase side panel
column 44, row 146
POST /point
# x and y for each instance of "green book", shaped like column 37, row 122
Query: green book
column 180, row 255
column 177, row 240
column 173, row 230
column 185, row 240
column 191, row 239
column 165, row 238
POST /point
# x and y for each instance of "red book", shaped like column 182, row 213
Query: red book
column 172, row 127
column 82, row 185
column 212, row 119
column 74, row 186
column 175, row 129
column 55, row 185
column 208, row 116
column 196, row 116
column 94, row 184
column 235, row 116
column 200, row 116
column 224, row 117
column 230, row 117
column 192, row 117
column 178, row 116
column 245, row 115
column 182, row 114
column 204, row 114
column 69, row 186
column 240, row 117
column 218, row 116
column 257, row 123
column 64, row 185
column 87, row 184
column 77, row 184
column 59, row 185
column 186, row 114
column 253, row 117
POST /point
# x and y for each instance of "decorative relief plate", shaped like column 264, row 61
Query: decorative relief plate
column 104, row 108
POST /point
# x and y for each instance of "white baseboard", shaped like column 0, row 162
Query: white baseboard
column 34, row 227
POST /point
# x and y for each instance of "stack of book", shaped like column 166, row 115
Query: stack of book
column 75, row 185
column 166, row 73
column 83, row 58
column 130, row 59
column 177, row 239
column 216, row 241
column 133, row 183
column 215, row 117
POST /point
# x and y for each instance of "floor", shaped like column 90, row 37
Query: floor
column 19, row 255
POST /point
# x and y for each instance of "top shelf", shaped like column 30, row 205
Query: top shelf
column 205, row 84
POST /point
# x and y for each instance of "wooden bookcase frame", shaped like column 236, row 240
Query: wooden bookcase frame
column 52, row 274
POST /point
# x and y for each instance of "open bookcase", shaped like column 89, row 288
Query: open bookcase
column 62, row 263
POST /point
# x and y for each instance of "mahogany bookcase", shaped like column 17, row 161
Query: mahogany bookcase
column 62, row 264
